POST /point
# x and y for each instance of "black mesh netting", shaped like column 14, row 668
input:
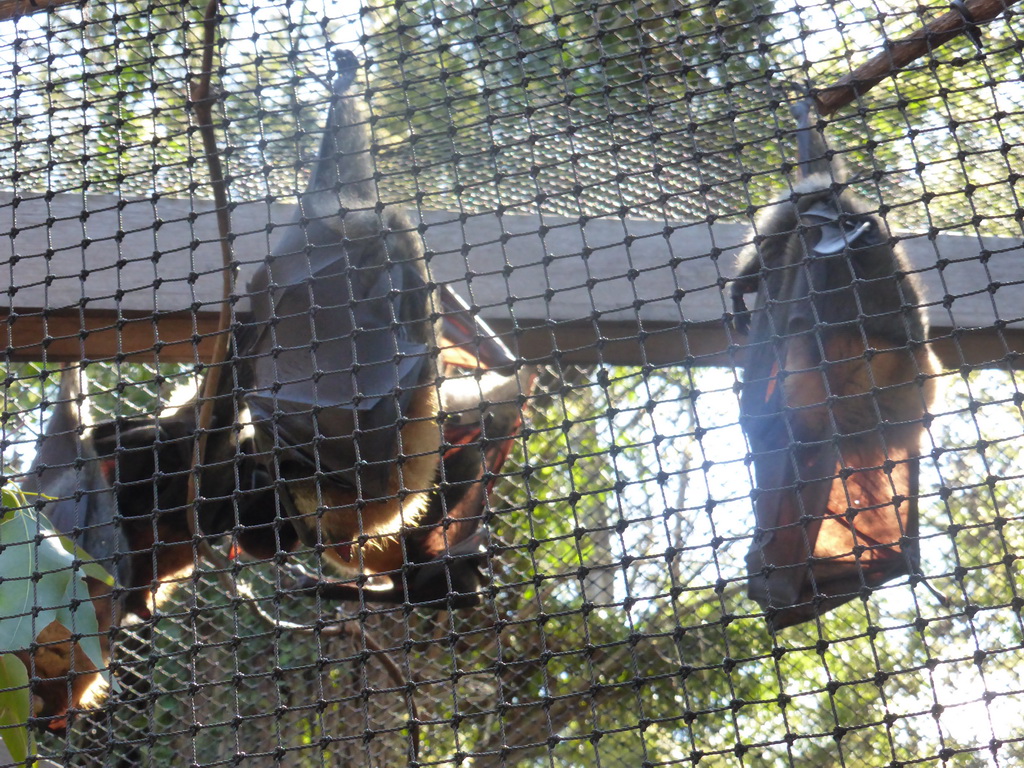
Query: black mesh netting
column 566, row 582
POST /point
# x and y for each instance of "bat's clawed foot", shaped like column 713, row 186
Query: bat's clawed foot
column 348, row 65
column 451, row 581
column 454, row 580
column 295, row 578
column 740, row 317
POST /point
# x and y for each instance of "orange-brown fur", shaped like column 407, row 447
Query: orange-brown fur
column 55, row 663
column 857, row 383
column 347, row 519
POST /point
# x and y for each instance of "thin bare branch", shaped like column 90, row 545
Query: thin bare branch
column 202, row 101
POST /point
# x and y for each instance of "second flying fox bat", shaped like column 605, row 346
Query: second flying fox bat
column 118, row 491
column 99, row 487
column 836, row 384
column 67, row 486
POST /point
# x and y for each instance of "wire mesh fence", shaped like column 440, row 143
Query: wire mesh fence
column 512, row 437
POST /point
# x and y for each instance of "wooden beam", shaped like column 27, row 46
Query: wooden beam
column 103, row 277
column 100, row 335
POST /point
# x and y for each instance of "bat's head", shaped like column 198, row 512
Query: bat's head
column 837, row 265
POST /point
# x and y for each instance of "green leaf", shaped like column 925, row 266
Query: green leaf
column 11, row 499
column 19, row 593
column 87, row 563
column 14, row 708
column 37, row 573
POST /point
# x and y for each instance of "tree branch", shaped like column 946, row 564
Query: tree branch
column 202, row 102
column 13, row 9
column 900, row 53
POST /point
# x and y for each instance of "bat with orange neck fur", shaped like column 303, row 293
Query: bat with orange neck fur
column 836, row 386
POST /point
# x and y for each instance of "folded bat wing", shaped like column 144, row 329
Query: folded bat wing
column 332, row 360
column 76, row 498
column 148, row 461
column 832, row 523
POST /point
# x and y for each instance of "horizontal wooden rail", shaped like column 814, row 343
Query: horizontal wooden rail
column 105, row 278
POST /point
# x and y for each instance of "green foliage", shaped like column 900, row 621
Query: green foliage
column 15, row 708
column 43, row 582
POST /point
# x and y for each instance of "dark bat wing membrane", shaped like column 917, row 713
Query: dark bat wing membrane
column 334, row 365
column 836, row 499
column 831, row 525
column 68, row 486
column 332, row 362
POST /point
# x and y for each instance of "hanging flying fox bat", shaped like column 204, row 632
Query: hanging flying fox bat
column 67, row 485
column 836, row 385
column 338, row 366
column 335, row 365
column 341, row 383
column 118, row 490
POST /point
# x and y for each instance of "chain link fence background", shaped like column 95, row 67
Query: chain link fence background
column 615, row 629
